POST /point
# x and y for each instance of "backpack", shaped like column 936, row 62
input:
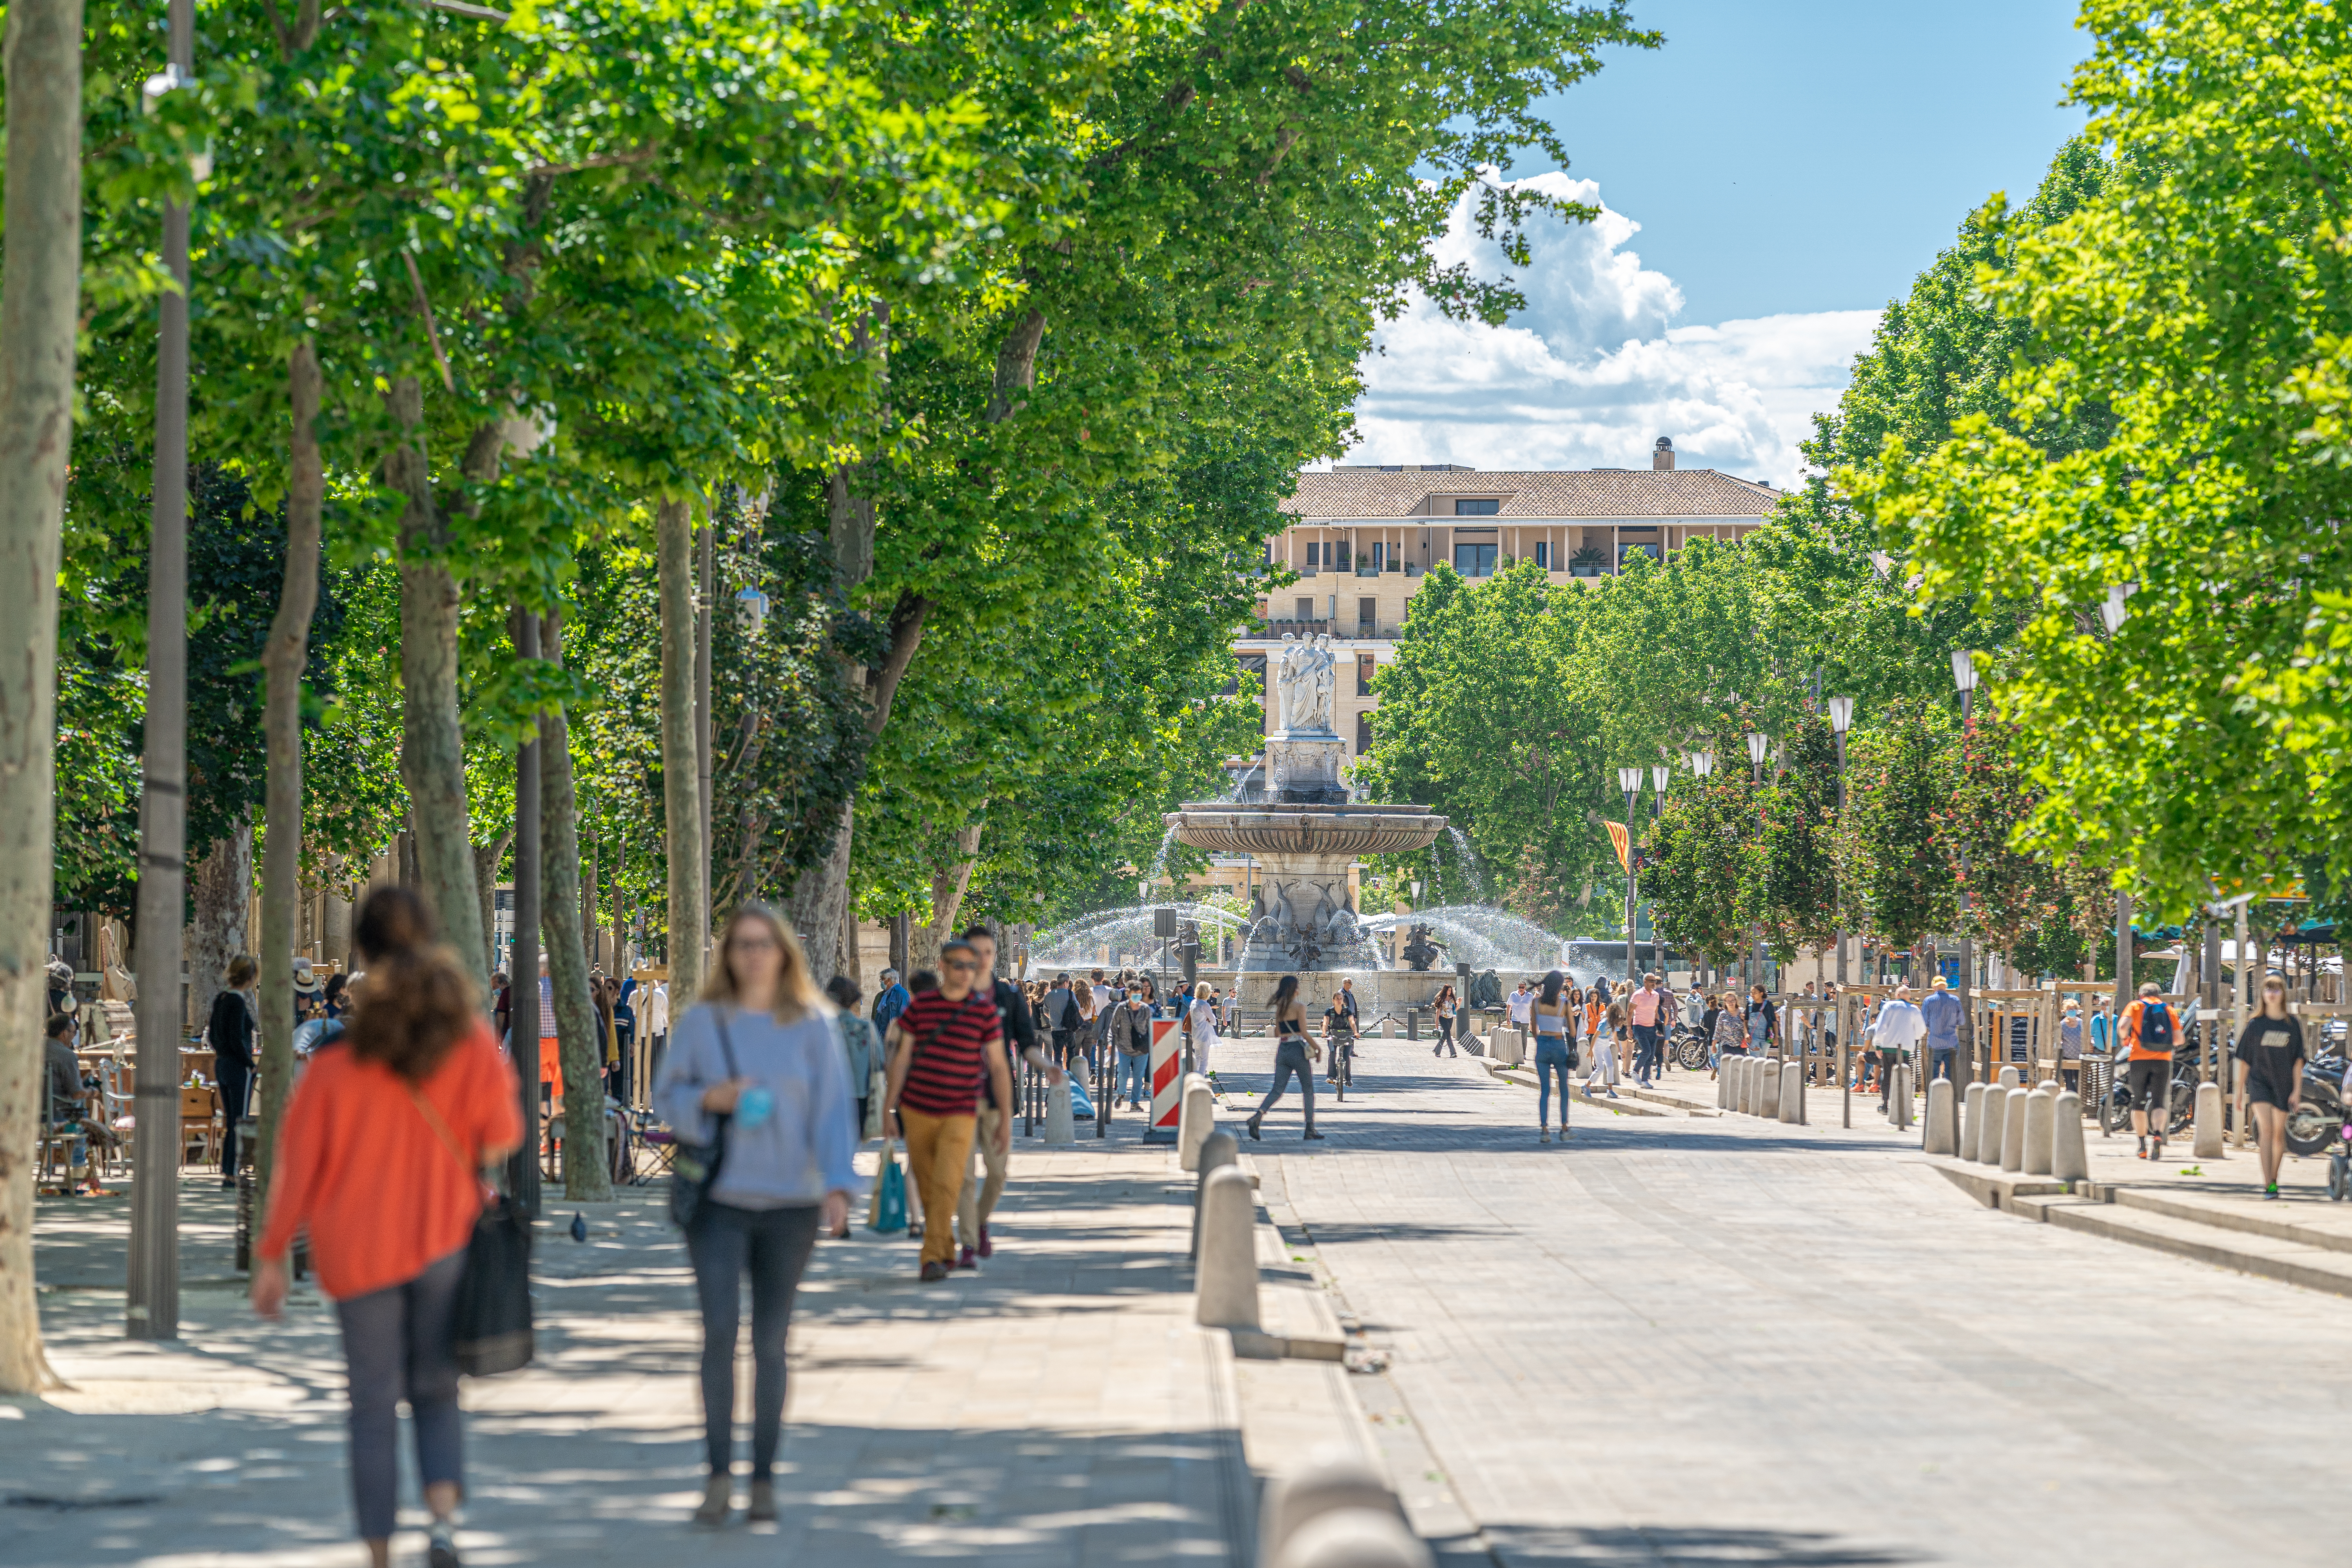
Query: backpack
column 2155, row 1026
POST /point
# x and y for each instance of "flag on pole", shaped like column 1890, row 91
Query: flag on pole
column 1617, row 837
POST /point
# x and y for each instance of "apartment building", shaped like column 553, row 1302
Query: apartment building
column 1361, row 539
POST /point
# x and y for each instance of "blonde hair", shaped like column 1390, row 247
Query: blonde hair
column 797, row 996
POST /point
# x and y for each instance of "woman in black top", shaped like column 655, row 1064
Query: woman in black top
column 1294, row 1055
column 229, row 1032
column 2271, row 1045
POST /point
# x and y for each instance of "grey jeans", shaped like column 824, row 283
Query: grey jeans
column 1289, row 1057
column 397, row 1344
column 773, row 1245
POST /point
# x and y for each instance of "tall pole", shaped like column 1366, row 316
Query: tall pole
column 522, row 999
column 1966, row 1054
column 1838, row 733
column 1631, row 860
column 2123, row 955
column 153, row 1299
column 709, row 577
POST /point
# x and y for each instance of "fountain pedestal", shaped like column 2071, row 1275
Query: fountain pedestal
column 1302, row 768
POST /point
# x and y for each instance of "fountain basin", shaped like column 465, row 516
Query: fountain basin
column 1302, row 917
column 1311, row 830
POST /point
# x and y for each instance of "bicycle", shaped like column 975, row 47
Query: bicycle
column 1343, row 1064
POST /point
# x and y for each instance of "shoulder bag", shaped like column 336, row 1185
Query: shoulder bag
column 696, row 1168
column 490, row 1327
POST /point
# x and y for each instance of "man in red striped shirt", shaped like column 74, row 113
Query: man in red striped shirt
column 942, row 1047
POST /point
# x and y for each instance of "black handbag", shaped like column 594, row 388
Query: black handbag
column 696, row 1166
column 490, row 1325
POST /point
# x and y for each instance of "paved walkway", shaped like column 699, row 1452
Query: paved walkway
column 1683, row 1339
column 1060, row 1408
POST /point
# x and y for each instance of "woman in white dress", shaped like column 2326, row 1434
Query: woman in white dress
column 1203, row 1015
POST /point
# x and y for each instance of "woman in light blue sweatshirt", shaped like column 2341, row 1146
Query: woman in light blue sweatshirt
column 759, row 1050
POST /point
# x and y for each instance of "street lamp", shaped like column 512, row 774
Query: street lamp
column 1756, row 742
column 1702, row 763
column 1660, row 774
column 2112, row 612
column 1629, row 779
column 1964, row 676
column 1841, row 721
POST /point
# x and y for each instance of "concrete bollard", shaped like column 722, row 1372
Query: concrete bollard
column 1726, row 1070
column 1061, row 1116
column 1736, row 1068
column 1196, row 1118
column 1792, row 1092
column 2068, row 1160
column 1972, row 1122
column 2008, row 1078
column 1898, row 1099
column 2206, row 1129
column 1218, row 1150
column 2012, row 1131
column 1768, row 1080
column 1751, row 1085
column 2039, row 1126
column 1353, row 1538
column 1943, row 1133
column 1996, row 1104
column 1412, row 1023
column 1334, row 1481
column 1226, row 1282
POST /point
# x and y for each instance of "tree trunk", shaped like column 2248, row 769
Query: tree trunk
column 283, row 659
column 486, row 860
column 900, row 924
column 578, row 1046
column 433, row 741
column 947, row 885
column 40, row 281
column 681, row 764
column 222, row 891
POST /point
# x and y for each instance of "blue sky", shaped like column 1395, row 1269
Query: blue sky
column 1770, row 178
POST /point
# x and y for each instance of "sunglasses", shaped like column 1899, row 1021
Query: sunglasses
column 960, row 965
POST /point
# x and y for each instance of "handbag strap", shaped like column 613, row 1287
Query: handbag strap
column 441, row 1130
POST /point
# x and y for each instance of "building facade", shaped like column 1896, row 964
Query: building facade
column 1362, row 538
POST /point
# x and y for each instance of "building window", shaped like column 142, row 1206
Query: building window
column 1475, row 560
column 1305, row 609
column 1380, row 556
column 1543, row 553
column 1313, row 556
column 1250, row 664
column 1477, row 507
column 1363, row 734
column 1627, row 552
column 1364, row 667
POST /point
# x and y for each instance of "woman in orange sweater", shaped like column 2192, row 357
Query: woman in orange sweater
column 380, row 1159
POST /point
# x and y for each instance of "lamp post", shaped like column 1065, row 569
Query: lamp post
column 1758, row 744
column 1841, row 721
column 1660, row 776
column 1630, row 781
column 2112, row 612
column 1702, row 764
column 1964, row 676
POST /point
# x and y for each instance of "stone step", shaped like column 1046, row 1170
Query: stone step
column 1994, row 1187
column 2330, row 1230
column 2313, row 1267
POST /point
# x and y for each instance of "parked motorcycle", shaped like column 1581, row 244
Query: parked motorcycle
column 2318, row 1121
column 1688, row 1048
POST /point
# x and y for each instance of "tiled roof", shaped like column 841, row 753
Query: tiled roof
column 1573, row 492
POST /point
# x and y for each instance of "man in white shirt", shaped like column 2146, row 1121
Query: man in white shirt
column 1900, row 1026
column 657, row 1024
column 1522, row 1006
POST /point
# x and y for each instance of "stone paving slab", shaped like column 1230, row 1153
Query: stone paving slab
column 1058, row 1409
column 1717, row 1341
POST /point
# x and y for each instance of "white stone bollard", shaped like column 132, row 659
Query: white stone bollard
column 2008, row 1078
column 1061, row 1116
column 1792, row 1092
column 2012, row 1131
column 2206, row 1129
column 2068, row 1160
column 1972, row 1123
column 2039, row 1124
column 1898, row 1098
column 1768, row 1075
column 1196, row 1118
column 1218, row 1150
column 1743, row 1078
column 1226, row 1287
column 1509, row 1048
column 1943, row 1134
column 1726, row 1070
column 1334, row 1479
column 1353, row 1538
column 1754, row 1085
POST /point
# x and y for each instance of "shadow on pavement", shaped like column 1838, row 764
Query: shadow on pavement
column 1653, row 1544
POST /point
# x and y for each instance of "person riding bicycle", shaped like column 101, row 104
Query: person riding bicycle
column 1340, row 1035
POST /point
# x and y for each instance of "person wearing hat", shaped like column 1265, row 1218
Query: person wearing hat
column 1943, row 1012
column 61, row 997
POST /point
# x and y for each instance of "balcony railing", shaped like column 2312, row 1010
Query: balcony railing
column 1361, row 631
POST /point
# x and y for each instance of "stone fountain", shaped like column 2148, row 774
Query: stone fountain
column 1305, row 833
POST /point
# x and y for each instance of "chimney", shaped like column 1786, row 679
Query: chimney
column 1663, row 459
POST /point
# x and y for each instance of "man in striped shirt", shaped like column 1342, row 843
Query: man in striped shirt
column 942, row 1049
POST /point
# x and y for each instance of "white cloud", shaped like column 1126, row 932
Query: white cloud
column 1593, row 371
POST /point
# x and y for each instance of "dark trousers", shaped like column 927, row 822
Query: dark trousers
column 1445, row 1037
column 773, row 1246
column 1943, row 1055
column 1290, row 1057
column 236, row 1088
column 396, row 1344
column 1647, row 1062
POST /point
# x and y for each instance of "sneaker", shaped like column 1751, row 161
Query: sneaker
column 1312, row 1134
column 442, row 1549
column 1543, row 1134
column 763, row 1503
column 966, row 1259
column 987, row 1247
column 717, row 1500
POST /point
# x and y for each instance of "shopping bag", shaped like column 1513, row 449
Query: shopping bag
column 889, row 1215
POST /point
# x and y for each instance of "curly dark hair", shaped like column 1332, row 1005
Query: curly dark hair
column 416, row 1002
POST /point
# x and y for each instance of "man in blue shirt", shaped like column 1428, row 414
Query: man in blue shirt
column 1943, row 1012
column 888, row 1002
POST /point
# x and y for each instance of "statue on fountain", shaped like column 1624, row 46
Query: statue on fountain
column 1306, row 679
column 1486, row 990
column 1419, row 950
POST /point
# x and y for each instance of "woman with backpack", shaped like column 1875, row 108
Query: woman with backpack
column 757, row 1056
column 380, row 1159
